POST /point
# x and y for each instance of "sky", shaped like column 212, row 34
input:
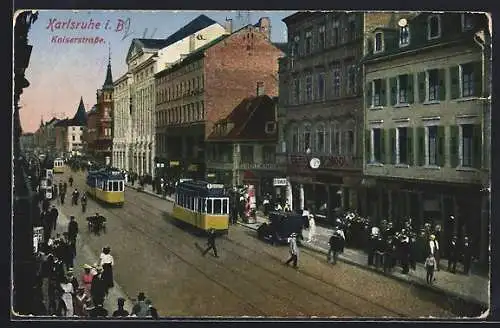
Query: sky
column 61, row 73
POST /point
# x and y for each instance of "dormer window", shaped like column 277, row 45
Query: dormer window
column 404, row 36
column 270, row 127
column 379, row 42
column 467, row 22
column 433, row 27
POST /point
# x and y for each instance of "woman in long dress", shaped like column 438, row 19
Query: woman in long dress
column 107, row 263
column 67, row 296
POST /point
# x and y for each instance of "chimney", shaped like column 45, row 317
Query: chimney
column 229, row 25
column 265, row 26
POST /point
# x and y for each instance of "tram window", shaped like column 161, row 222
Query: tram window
column 209, row 206
column 218, row 206
column 188, row 201
column 121, row 185
column 116, row 186
column 110, row 186
column 225, row 206
column 200, row 205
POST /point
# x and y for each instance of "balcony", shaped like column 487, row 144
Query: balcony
column 300, row 162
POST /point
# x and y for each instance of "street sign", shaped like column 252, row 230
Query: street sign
column 280, row 182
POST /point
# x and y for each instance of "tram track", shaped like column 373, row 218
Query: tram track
column 332, row 291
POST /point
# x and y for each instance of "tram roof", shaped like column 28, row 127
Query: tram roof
column 203, row 187
column 109, row 174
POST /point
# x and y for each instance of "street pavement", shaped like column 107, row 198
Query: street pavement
column 471, row 288
column 160, row 257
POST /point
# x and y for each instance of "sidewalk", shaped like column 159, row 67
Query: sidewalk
column 470, row 288
column 84, row 255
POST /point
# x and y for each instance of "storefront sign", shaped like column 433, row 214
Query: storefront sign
column 215, row 186
column 280, row 182
column 211, row 175
column 302, row 161
column 262, row 166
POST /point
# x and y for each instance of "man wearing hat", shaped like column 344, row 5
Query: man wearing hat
column 121, row 312
column 140, row 308
column 453, row 255
column 434, row 249
column 98, row 288
column 294, row 250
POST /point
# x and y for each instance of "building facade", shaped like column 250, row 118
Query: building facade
column 70, row 132
column 205, row 87
column 321, row 108
column 135, row 145
column 45, row 136
column 426, row 127
column 27, row 142
column 241, row 150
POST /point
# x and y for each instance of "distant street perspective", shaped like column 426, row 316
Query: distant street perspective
column 290, row 165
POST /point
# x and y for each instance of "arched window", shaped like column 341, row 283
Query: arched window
column 320, row 138
column 307, row 137
column 349, row 140
column 335, row 138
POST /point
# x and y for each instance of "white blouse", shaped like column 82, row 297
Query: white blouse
column 107, row 258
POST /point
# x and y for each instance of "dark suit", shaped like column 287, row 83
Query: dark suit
column 211, row 244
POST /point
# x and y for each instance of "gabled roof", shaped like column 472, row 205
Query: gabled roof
column 79, row 118
column 197, row 24
column 249, row 119
column 152, row 43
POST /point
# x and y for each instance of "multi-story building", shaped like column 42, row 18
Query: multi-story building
column 100, row 139
column 90, row 133
column 427, row 129
column 205, row 87
column 134, row 146
column 69, row 133
column 321, row 108
column 242, row 147
column 45, row 136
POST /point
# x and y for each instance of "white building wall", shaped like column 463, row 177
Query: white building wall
column 74, row 141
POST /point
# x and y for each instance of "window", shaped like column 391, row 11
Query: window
column 200, row 204
column 225, row 206
column 432, row 145
column 402, row 145
column 336, row 81
column 295, row 139
column 260, row 88
column 467, row 142
column 335, row 33
column 433, row 27
column 209, row 206
column 321, row 37
column 377, row 93
column 351, row 79
column 309, row 96
column 402, row 89
column 121, row 185
column 467, row 74
column 296, row 91
column 116, row 186
column 349, row 142
column 352, row 28
column 307, row 137
column 379, row 42
column 269, row 154
column 246, row 154
column 308, row 42
column 321, row 86
column 467, row 22
column 320, row 138
column 295, row 46
column 377, row 145
column 335, row 139
column 433, row 85
column 74, row 138
column 404, row 36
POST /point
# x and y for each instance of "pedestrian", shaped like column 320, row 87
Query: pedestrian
column 45, row 204
column 152, row 311
column 86, row 279
column 72, row 279
column 47, row 226
column 312, row 228
column 336, row 245
column 430, row 265
column 54, row 214
column 434, row 249
column 79, row 302
column 372, row 246
column 467, row 254
column 65, row 188
column 405, row 252
column 294, row 250
column 70, row 181
column 265, row 203
column 211, row 243
column 76, row 195
column 72, row 230
column 67, row 296
column 413, row 251
column 84, row 202
column 389, row 254
column 453, row 255
column 62, row 196
column 107, row 263
column 120, row 312
column 140, row 308
column 68, row 253
column 98, row 311
column 97, row 288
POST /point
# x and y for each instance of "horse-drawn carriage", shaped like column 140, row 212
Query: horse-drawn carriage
column 96, row 224
column 280, row 227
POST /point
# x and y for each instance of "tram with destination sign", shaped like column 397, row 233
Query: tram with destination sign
column 58, row 165
column 203, row 205
column 106, row 186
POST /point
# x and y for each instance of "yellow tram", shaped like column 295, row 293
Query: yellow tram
column 203, row 205
column 107, row 186
column 58, row 165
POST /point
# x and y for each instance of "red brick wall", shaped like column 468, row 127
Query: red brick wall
column 231, row 72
